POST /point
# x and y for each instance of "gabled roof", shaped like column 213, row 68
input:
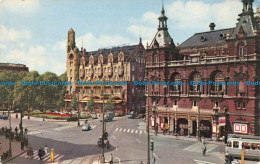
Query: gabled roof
column 162, row 37
column 207, row 38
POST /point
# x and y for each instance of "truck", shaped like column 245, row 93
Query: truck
column 110, row 115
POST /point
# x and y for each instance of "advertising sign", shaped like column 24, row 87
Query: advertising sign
column 222, row 121
column 240, row 128
column 152, row 122
column 214, row 128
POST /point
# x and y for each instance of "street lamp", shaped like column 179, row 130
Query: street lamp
column 102, row 160
column 198, row 125
column 78, row 111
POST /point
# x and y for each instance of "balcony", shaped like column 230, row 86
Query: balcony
column 216, row 94
column 68, row 96
column 155, row 93
column 194, row 93
column 241, row 94
column 175, row 93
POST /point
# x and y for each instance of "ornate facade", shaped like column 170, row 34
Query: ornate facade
column 212, row 96
column 119, row 64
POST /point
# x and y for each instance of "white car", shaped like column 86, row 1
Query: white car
column 86, row 127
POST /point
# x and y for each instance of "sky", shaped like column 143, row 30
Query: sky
column 34, row 32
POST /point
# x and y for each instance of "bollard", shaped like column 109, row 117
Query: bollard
column 52, row 155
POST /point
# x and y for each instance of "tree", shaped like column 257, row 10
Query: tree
column 74, row 103
column 91, row 104
column 110, row 105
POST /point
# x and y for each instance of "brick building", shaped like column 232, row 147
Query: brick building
column 118, row 64
column 195, row 105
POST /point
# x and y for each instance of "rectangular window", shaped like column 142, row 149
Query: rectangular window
column 216, row 104
column 175, row 102
column 195, row 103
column 71, row 64
column 133, row 77
column 133, row 68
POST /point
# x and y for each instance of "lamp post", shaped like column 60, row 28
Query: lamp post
column 148, row 126
column 10, row 142
column 102, row 160
column 198, row 125
column 78, row 111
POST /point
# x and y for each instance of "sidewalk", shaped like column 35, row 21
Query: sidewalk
column 142, row 126
column 16, row 147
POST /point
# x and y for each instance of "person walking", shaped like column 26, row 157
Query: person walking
column 31, row 152
column 28, row 151
column 111, row 159
column 40, row 153
column 46, row 149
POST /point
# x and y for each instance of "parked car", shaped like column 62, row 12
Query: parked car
column 132, row 114
column 86, row 127
column 72, row 119
column 4, row 117
column 94, row 116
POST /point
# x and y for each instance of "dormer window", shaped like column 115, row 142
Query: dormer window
column 222, row 35
column 203, row 38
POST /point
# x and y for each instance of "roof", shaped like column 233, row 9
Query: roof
column 115, row 51
column 162, row 37
column 207, row 38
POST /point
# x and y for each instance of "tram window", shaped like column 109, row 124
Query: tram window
column 235, row 144
column 229, row 144
column 245, row 145
column 254, row 146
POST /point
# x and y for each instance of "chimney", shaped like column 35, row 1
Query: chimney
column 212, row 26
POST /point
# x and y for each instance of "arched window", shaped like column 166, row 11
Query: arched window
column 176, row 79
column 71, row 57
column 196, row 78
column 219, row 78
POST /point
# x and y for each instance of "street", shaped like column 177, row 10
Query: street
column 127, row 137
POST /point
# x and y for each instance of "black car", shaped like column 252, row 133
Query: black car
column 4, row 117
column 72, row 119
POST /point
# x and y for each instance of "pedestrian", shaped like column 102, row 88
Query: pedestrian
column 0, row 146
column 40, row 153
column 202, row 140
column 28, row 151
column 111, row 159
column 22, row 144
column 43, row 152
column 46, row 149
column 31, row 152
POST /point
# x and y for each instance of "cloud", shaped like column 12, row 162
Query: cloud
column 92, row 42
column 198, row 14
column 13, row 35
column 146, row 32
column 21, row 6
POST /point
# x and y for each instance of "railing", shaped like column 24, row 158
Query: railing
column 194, row 93
column 175, row 93
column 207, row 60
column 216, row 93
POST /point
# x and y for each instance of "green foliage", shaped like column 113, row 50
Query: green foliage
column 23, row 97
column 74, row 103
column 110, row 105
column 90, row 104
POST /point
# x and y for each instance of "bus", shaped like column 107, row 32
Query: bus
column 236, row 143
